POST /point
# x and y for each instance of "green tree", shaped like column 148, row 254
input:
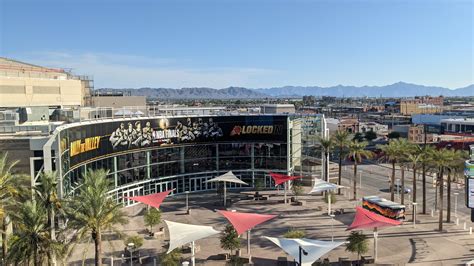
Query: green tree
column 136, row 240
column 45, row 191
column 358, row 137
column 327, row 144
column 357, row 152
column 393, row 135
column 31, row 241
column 455, row 167
column 171, row 259
column 230, row 239
column 426, row 161
column 403, row 148
column 390, row 154
column 152, row 217
column 341, row 141
column 370, row 135
column 441, row 160
column 297, row 189
column 294, row 233
column 91, row 210
column 357, row 243
column 8, row 190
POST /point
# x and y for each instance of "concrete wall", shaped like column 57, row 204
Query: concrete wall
column 28, row 92
column 118, row 101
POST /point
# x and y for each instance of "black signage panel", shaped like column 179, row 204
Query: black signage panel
column 88, row 142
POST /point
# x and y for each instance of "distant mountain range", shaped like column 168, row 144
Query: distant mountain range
column 400, row 89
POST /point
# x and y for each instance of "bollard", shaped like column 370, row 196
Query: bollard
column 457, row 221
column 470, row 230
column 464, row 226
column 111, row 260
column 432, row 213
column 154, row 261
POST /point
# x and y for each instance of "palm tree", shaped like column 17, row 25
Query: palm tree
column 457, row 165
column 357, row 152
column 403, row 147
column 341, row 141
column 327, row 144
column 31, row 240
column 91, row 210
column 414, row 157
column 390, row 154
column 426, row 161
column 357, row 243
column 7, row 191
column 441, row 160
column 46, row 194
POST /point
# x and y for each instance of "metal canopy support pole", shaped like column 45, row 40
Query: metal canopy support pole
column 329, row 201
column 285, row 185
column 225, row 190
column 376, row 234
column 248, row 246
column 193, row 257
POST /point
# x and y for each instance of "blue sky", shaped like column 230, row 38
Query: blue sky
column 251, row 43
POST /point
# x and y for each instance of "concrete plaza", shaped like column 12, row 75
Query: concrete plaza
column 397, row 246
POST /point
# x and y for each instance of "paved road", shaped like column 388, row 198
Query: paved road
column 375, row 182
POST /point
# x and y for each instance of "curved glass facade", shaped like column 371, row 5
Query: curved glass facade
column 150, row 155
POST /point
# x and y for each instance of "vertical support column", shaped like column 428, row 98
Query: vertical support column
column 115, row 171
column 193, row 258
column 217, row 157
column 148, row 167
column 252, row 162
column 376, row 234
column 181, row 157
column 248, row 246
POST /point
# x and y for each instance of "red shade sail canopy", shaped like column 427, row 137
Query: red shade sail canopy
column 365, row 219
column 153, row 200
column 245, row 221
column 281, row 178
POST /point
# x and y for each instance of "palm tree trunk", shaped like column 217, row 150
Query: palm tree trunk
column 448, row 207
column 98, row 247
column 340, row 172
column 35, row 256
column 424, row 188
column 4, row 237
column 414, row 185
column 355, row 179
column 440, row 200
column 402, row 188
column 392, row 191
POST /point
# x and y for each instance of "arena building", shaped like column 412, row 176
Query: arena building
column 156, row 153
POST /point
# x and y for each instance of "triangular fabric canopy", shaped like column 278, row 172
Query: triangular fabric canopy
column 314, row 248
column 182, row 234
column 365, row 219
column 321, row 186
column 227, row 177
column 154, row 200
column 281, row 178
column 245, row 221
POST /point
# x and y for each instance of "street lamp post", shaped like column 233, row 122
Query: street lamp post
column 301, row 252
column 398, row 188
column 131, row 247
column 332, row 226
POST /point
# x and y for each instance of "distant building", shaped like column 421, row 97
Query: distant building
column 416, row 134
column 458, row 125
column 278, row 108
column 422, row 105
column 380, row 129
column 116, row 100
column 27, row 85
column 350, row 125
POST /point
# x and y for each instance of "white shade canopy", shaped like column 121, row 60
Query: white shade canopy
column 321, row 186
column 227, row 177
column 315, row 248
column 182, row 234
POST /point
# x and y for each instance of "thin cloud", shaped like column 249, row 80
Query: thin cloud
column 132, row 71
